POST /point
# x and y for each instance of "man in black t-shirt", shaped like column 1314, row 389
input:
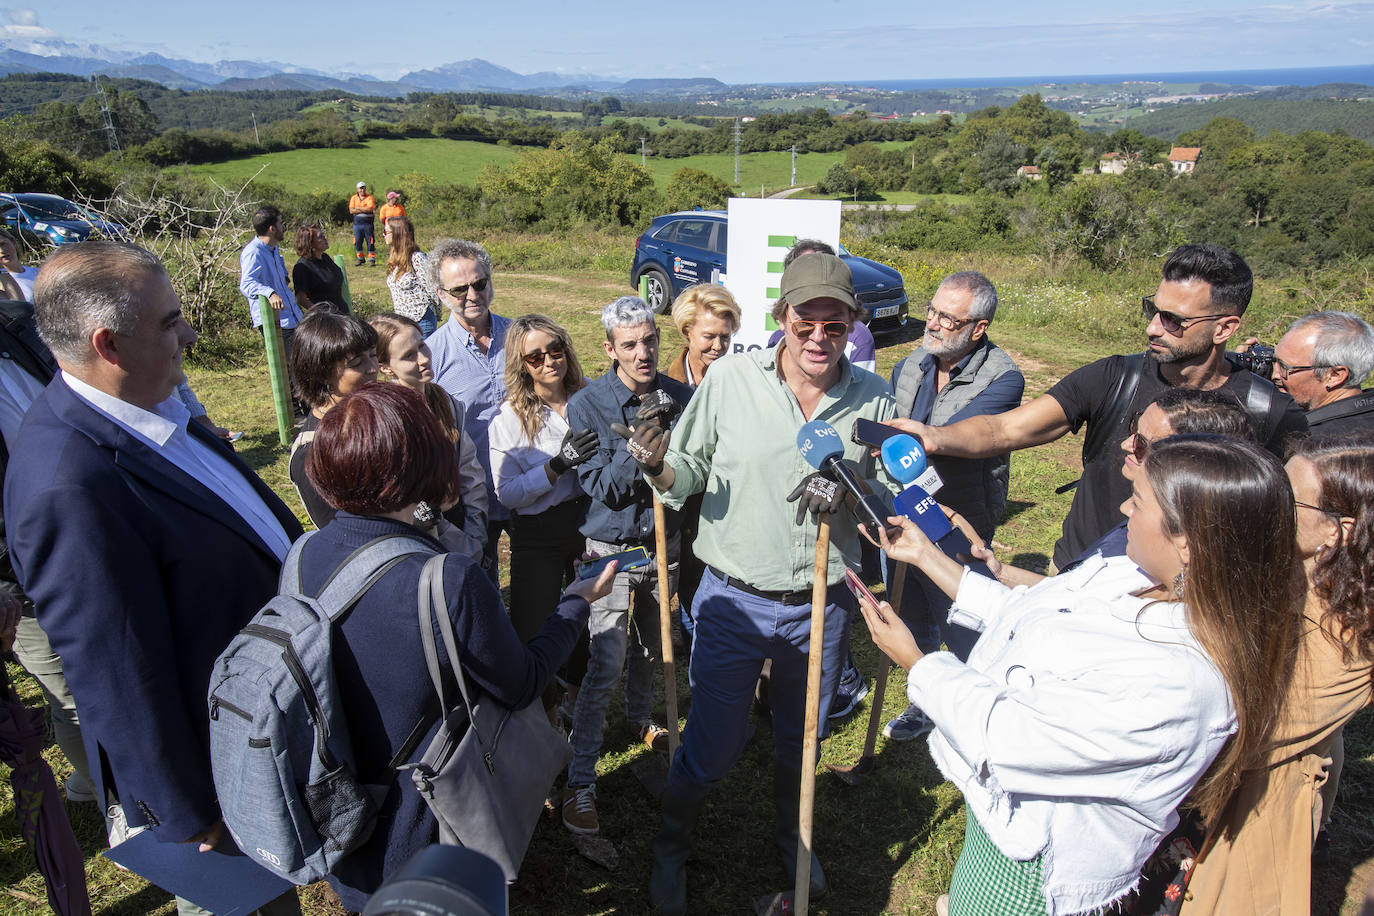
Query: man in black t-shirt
column 1194, row 312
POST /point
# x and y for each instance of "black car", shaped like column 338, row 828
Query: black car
column 681, row 249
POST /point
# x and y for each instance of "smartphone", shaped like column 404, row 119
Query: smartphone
column 861, row 592
column 628, row 559
column 872, row 433
column 235, row 436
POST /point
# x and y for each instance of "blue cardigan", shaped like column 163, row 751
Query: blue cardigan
column 384, row 688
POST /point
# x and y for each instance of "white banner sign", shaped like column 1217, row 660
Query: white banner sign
column 761, row 232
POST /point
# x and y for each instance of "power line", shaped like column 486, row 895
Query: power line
column 109, row 122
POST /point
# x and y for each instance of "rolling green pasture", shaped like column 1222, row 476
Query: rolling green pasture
column 378, row 162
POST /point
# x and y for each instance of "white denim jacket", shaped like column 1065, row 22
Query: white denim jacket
column 1082, row 718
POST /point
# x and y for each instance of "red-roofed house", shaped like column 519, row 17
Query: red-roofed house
column 1031, row 172
column 1184, row 158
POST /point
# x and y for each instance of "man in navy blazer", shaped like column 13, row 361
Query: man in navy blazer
column 144, row 542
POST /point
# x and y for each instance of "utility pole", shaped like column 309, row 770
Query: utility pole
column 737, row 140
column 256, row 138
column 794, row 165
column 110, row 132
column 641, row 150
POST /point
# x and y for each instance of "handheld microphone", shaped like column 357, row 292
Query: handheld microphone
column 904, row 457
column 916, row 503
column 820, row 444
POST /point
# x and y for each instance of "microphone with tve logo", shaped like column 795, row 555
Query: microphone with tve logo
column 823, row 449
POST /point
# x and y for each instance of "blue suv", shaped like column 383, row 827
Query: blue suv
column 681, row 249
column 41, row 220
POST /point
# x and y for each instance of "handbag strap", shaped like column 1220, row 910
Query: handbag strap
column 431, row 598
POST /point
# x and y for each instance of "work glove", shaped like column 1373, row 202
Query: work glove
column 577, row 447
column 816, row 494
column 647, row 443
column 658, row 407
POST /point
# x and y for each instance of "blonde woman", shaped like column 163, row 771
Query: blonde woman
column 706, row 316
column 408, row 275
column 533, row 459
column 403, row 358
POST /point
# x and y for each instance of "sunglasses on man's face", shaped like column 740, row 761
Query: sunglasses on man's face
column 804, row 328
column 539, row 357
column 1172, row 322
column 461, row 290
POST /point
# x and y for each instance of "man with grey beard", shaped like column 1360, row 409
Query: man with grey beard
column 957, row 373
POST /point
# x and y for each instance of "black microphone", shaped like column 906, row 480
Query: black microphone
column 823, row 449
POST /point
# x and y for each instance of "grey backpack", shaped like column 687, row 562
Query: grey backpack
column 279, row 745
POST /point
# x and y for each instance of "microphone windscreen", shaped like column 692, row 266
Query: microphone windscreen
column 919, row 506
column 818, row 441
column 904, row 458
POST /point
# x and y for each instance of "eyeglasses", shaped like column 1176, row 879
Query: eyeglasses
column 1140, row 446
column 804, row 328
column 1171, row 322
column 1283, row 370
column 539, row 357
column 948, row 322
column 1331, row 512
column 461, row 290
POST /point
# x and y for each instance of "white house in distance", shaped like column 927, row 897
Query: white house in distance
column 1029, row 172
column 1112, row 164
column 1184, row 158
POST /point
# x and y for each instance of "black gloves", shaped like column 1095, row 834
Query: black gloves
column 577, row 447
column 647, row 442
column 816, row 493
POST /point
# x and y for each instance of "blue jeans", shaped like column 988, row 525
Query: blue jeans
column 429, row 322
column 363, row 238
column 614, row 633
column 735, row 633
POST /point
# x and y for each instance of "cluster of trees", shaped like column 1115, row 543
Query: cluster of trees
column 1286, row 201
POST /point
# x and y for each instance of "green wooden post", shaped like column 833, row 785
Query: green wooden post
column 644, row 287
column 348, row 297
column 276, row 368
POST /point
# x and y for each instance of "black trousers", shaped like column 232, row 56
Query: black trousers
column 543, row 549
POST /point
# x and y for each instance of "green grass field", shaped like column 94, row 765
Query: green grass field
column 378, row 162
column 889, row 844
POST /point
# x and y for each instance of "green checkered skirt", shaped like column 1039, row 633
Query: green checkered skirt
column 987, row 882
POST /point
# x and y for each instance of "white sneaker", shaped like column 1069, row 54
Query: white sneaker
column 909, row 725
column 78, row 789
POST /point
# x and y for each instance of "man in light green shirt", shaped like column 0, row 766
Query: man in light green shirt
column 737, row 443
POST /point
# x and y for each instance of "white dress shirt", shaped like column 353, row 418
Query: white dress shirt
column 517, row 465
column 163, row 429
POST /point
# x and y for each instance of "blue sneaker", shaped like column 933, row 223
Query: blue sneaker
column 909, row 725
column 847, row 700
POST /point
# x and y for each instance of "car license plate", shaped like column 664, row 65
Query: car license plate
column 886, row 311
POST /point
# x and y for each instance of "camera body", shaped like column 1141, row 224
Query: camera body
column 1259, row 359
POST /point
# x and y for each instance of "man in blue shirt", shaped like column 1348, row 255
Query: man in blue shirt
column 957, row 373
column 469, row 359
column 262, row 272
column 620, row 517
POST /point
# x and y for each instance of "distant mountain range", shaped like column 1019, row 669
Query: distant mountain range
column 476, row 75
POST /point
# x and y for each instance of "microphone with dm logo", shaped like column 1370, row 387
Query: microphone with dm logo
column 905, row 459
column 823, row 449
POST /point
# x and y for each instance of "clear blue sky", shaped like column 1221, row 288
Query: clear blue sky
column 770, row 41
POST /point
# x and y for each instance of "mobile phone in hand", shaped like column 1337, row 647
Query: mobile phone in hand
column 872, row 433
column 628, row 559
column 862, row 593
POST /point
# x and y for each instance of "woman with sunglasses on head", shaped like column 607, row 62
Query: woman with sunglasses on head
column 403, row 358
column 408, row 275
column 1259, row 860
column 534, row 456
column 332, row 356
column 1095, row 702
column 316, row 280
